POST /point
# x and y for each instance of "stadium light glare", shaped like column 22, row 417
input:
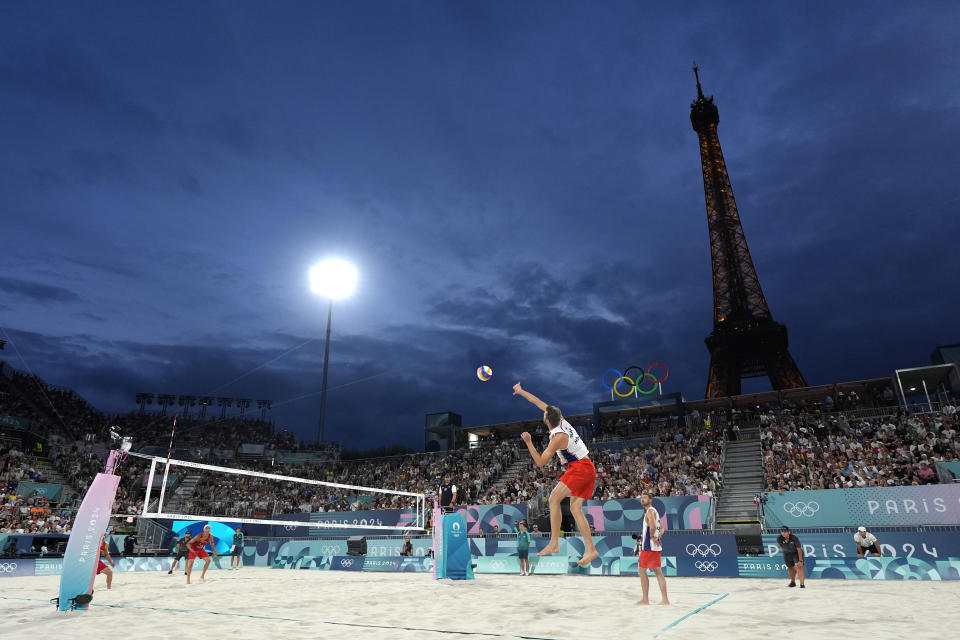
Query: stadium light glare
column 333, row 279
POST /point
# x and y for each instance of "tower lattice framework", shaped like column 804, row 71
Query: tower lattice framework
column 745, row 341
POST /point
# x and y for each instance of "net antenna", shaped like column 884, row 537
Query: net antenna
column 416, row 501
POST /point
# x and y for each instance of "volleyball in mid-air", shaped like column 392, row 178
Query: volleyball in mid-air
column 484, row 373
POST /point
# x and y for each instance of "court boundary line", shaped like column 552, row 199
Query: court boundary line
column 342, row 624
column 682, row 618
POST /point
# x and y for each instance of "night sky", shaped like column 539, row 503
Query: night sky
column 517, row 183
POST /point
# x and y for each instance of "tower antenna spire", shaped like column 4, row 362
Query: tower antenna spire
column 696, row 73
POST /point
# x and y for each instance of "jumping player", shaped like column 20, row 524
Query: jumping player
column 577, row 482
column 182, row 552
column 650, row 549
column 195, row 546
column 101, row 567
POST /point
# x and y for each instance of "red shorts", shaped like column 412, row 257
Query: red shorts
column 649, row 559
column 101, row 565
column 200, row 553
column 580, row 478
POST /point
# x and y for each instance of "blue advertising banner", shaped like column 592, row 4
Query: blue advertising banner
column 401, row 518
column 871, row 507
column 381, row 564
column 886, row 569
column 676, row 512
column 12, row 567
column 484, row 517
column 760, row 567
column 39, row 490
column 346, row 563
column 928, row 545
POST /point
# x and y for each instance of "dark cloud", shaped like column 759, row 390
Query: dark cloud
column 36, row 291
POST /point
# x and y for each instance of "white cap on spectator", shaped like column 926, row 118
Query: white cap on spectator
column 861, row 528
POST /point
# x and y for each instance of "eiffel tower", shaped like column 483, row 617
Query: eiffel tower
column 745, row 341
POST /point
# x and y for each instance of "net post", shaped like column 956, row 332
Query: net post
column 146, row 499
column 163, row 486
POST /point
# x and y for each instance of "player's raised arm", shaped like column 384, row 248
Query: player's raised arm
column 558, row 441
column 537, row 402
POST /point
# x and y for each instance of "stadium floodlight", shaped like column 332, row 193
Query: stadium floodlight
column 334, row 279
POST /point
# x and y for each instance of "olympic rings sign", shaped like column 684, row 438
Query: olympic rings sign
column 704, row 550
column 8, row 567
column 633, row 383
column 706, row 567
column 346, row 562
column 805, row 509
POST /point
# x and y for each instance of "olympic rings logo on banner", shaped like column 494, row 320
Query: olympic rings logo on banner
column 8, row 567
column 328, row 550
column 805, row 509
column 706, row 567
column 703, row 550
column 346, row 562
column 498, row 564
column 637, row 380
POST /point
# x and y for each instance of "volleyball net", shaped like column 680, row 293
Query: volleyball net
column 225, row 494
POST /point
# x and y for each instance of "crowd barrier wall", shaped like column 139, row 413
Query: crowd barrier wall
column 676, row 512
column 689, row 555
column 870, row 507
column 930, row 545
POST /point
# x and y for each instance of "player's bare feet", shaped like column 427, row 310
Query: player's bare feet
column 588, row 557
column 550, row 549
column 664, row 601
column 643, row 602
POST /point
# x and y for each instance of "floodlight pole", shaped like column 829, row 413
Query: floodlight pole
column 326, row 364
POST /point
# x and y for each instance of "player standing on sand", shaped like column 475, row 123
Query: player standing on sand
column 195, row 546
column 103, row 568
column 577, row 483
column 650, row 548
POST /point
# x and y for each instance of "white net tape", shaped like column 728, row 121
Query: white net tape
column 223, row 494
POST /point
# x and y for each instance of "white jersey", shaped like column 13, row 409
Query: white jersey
column 647, row 538
column 866, row 540
column 575, row 450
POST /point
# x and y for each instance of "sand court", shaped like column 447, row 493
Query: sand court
column 273, row 603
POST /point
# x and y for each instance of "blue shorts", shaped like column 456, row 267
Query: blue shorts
column 522, row 553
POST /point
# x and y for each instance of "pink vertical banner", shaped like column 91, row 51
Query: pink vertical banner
column 83, row 547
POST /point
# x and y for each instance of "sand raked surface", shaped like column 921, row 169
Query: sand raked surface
column 281, row 604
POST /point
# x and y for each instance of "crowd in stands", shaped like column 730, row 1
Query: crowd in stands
column 806, row 445
column 471, row 470
column 27, row 513
column 840, row 452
